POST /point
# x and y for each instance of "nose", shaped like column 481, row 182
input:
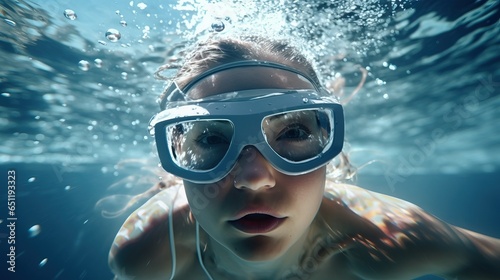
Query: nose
column 253, row 171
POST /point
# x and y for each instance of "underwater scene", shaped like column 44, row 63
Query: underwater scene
column 419, row 80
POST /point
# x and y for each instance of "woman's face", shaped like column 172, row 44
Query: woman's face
column 255, row 212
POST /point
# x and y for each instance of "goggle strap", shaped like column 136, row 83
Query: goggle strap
column 249, row 63
column 174, row 93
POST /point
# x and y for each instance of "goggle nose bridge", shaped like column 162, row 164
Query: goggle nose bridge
column 243, row 140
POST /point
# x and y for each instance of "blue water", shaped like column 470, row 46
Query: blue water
column 74, row 238
column 427, row 115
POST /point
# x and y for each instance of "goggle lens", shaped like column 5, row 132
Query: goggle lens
column 298, row 136
column 200, row 144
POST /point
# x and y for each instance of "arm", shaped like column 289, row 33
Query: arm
column 483, row 257
column 399, row 240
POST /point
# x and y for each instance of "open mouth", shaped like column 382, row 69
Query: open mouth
column 257, row 223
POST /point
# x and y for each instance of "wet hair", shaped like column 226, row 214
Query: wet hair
column 217, row 51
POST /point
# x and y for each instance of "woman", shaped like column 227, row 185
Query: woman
column 250, row 130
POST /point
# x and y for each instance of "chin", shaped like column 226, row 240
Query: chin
column 259, row 248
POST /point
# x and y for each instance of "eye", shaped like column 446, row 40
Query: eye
column 295, row 132
column 211, row 139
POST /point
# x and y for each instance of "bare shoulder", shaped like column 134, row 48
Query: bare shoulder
column 389, row 214
column 369, row 204
column 388, row 237
column 142, row 248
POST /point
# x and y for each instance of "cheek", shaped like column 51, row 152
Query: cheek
column 312, row 182
column 308, row 189
column 204, row 199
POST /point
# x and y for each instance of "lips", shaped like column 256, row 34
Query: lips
column 257, row 223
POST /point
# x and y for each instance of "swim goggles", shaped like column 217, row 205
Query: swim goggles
column 297, row 131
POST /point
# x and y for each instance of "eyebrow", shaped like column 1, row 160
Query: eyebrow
column 281, row 115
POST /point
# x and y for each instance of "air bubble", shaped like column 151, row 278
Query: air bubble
column 123, row 23
column 113, row 35
column 380, row 82
column 43, row 262
column 218, row 26
column 305, row 99
column 84, row 65
column 34, row 230
column 70, row 14
column 98, row 62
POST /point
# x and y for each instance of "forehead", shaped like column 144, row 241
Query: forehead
column 246, row 78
